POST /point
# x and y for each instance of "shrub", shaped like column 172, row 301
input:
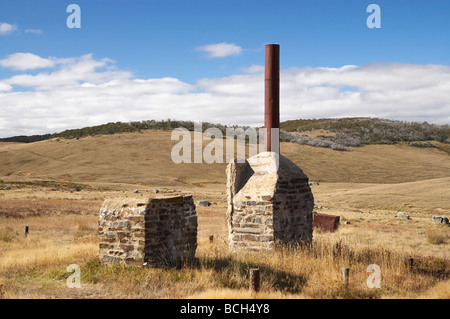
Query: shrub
column 422, row 144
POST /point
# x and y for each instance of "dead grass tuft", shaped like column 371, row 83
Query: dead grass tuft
column 36, row 207
column 7, row 234
column 437, row 236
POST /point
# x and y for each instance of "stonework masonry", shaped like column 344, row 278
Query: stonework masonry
column 154, row 232
column 269, row 203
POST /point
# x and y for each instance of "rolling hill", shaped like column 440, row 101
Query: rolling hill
column 145, row 157
column 391, row 175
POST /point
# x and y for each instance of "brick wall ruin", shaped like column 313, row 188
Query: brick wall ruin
column 156, row 231
column 266, row 205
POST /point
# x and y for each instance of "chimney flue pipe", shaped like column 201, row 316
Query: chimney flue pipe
column 272, row 97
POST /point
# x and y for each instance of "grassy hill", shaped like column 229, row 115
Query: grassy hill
column 338, row 134
column 145, row 158
column 373, row 130
column 419, row 197
column 368, row 175
column 121, row 158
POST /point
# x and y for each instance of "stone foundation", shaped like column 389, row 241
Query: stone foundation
column 269, row 202
column 156, row 231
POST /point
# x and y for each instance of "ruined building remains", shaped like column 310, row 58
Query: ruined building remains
column 269, row 198
column 151, row 232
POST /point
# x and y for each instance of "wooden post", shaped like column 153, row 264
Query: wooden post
column 254, row 279
column 345, row 275
column 211, row 239
column 25, row 232
column 409, row 262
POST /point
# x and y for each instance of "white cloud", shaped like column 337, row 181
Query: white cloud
column 254, row 68
column 71, row 72
column 84, row 91
column 5, row 87
column 6, row 28
column 34, row 31
column 221, row 50
column 26, row 61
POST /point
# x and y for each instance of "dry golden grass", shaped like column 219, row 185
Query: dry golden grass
column 150, row 162
column 46, row 253
column 384, row 164
column 83, row 160
column 440, row 291
column 438, row 236
column 227, row 293
column 51, row 241
column 26, row 207
column 35, row 266
column 423, row 198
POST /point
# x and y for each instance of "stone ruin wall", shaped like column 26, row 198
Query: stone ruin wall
column 268, row 209
column 293, row 204
column 156, row 231
column 250, row 219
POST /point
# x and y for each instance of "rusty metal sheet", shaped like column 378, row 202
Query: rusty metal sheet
column 325, row 222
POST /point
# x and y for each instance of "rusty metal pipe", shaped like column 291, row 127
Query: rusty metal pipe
column 272, row 95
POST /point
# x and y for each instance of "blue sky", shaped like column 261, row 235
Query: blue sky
column 143, row 40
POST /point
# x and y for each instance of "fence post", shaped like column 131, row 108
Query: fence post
column 409, row 262
column 345, row 275
column 254, row 279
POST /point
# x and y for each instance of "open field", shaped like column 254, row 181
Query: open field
column 35, row 266
column 57, row 187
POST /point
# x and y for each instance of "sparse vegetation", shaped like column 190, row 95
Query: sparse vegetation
column 354, row 132
column 53, row 185
column 422, row 144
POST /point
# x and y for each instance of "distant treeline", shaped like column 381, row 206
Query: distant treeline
column 113, row 128
column 345, row 131
column 123, row 127
column 27, row 139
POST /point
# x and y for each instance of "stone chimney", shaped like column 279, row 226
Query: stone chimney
column 269, row 199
